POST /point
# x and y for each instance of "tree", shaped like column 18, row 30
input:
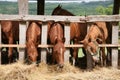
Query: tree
column 109, row 10
column 105, row 10
column 100, row 9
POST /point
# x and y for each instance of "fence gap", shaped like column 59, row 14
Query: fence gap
column 44, row 42
column 115, row 50
column 0, row 43
column 67, row 41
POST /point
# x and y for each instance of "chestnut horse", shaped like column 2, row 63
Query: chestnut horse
column 97, row 34
column 33, row 36
column 78, row 31
column 10, row 35
column 56, row 36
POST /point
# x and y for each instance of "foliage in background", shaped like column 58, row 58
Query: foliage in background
column 8, row 8
column 105, row 10
column 91, row 8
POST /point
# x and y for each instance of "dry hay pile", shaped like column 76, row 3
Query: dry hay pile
column 19, row 71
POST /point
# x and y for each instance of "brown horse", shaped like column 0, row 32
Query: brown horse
column 10, row 34
column 56, row 36
column 78, row 31
column 97, row 34
column 33, row 35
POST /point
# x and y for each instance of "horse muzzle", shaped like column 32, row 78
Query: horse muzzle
column 60, row 65
column 95, row 58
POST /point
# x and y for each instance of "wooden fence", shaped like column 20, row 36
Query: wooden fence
column 23, row 19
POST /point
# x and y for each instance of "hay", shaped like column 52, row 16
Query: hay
column 20, row 71
column 15, row 71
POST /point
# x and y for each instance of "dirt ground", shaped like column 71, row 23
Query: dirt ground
column 20, row 71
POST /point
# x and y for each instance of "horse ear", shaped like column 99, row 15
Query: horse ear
column 59, row 6
column 81, row 41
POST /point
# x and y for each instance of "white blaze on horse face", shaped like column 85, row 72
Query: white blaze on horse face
column 61, row 51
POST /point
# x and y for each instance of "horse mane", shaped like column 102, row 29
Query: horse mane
column 36, row 22
column 60, row 11
column 62, row 25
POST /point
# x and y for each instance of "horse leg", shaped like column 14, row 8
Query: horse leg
column 10, row 41
column 101, row 59
column 104, row 56
column 53, row 58
column 89, row 62
column 75, row 56
column 15, row 54
column 75, row 52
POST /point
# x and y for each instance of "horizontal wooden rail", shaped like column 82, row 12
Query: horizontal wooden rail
column 68, row 46
column 90, row 18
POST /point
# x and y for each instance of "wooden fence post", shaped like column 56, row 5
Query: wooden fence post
column 0, row 43
column 23, row 10
column 67, row 41
column 115, row 50
column 23, row 7
column 44, row 41
column 22, row 39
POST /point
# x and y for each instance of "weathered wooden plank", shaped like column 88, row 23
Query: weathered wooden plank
column 11, row 17
column 55, row 18
column 44, row 41
column 67, row 41
column 22, row 39
column 0, row 43
column 23, row 7
column 115, row 50
column 107, row 18
column 42, row 18
column 23, row 10
column 66, row 45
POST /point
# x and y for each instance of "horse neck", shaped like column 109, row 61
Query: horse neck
column 63, row 12
column 66, row 13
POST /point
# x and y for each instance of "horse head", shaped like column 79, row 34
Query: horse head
column 60, row 11
column 58, row 54
column 56, row 36
column 32, row 53
column 91, row 48
column 56, row 10
column 33, row 35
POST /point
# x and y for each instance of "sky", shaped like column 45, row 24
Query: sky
column 61, row 0
column 58, row 1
